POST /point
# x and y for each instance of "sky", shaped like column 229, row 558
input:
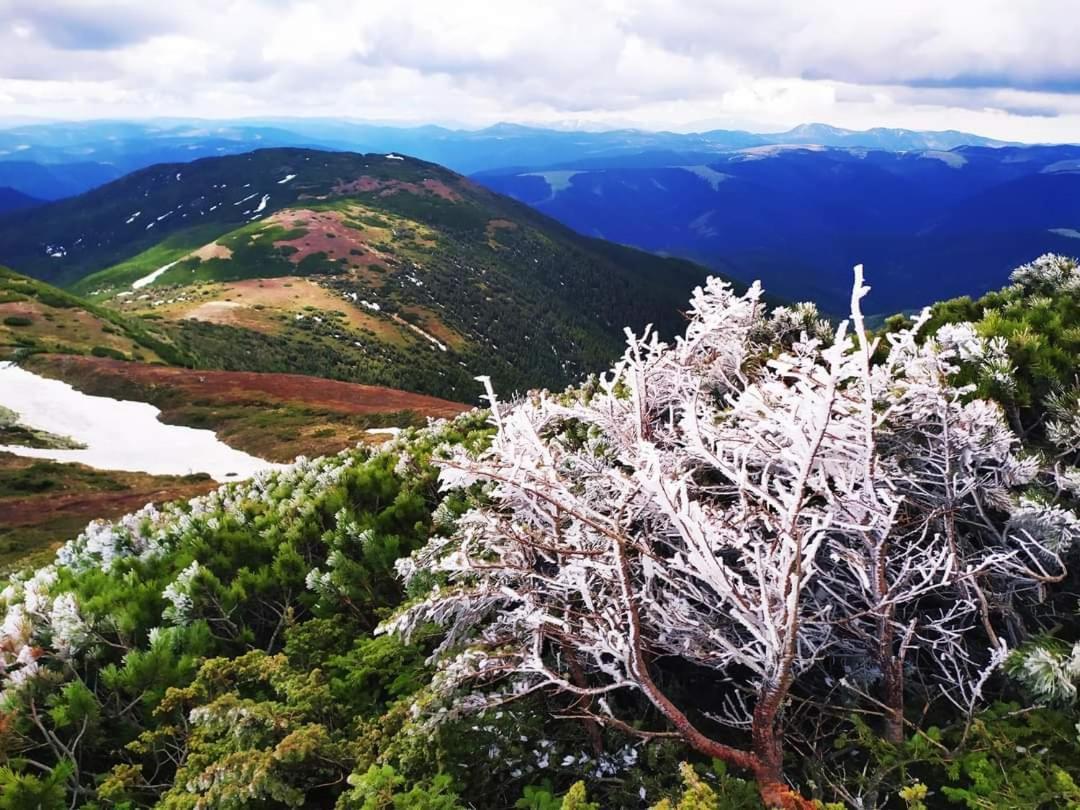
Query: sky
column 1002, row 68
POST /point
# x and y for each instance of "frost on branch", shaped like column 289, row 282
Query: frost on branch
column 785, row 514
column 1048, row 273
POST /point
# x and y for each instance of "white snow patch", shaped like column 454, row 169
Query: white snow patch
column 248, row 197
column 387, row 431
column 392, row 156
column 1062, row 167
column 178, row 174
column 118, row 434
column 954, row 160
column 420, row 332
column 152, row 277
column 709, row 175
column 56, row 251
column 133, row 217
column 262, row 203
column 557, row 181
column 772, row 150
column 286, row 179
column 370, row 305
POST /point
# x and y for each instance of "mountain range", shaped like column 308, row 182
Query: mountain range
column 82, row 155
column 928, row 224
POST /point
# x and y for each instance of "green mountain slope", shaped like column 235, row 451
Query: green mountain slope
column 389, row 270
column 36, row 317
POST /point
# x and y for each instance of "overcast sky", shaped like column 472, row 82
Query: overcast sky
column 1004, row 68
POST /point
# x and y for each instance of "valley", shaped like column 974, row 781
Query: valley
column 933, row 223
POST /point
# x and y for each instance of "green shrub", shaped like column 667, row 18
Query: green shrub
column 105, row 351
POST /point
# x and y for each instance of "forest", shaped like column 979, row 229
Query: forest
column 778, row 561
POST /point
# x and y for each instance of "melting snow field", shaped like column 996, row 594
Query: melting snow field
column 118, row 434
column 150, row 279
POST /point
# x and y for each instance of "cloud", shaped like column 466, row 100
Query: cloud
column 87, row 25
column 1008, row 69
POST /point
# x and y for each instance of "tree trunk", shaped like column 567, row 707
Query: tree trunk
column 893, row 675
column 768, row 747
column 577, row 675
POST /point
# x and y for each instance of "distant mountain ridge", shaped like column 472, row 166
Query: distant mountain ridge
column 114, row 148
column 928, row 224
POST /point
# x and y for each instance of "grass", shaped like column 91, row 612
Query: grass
column 63, row 323
column 121, row 276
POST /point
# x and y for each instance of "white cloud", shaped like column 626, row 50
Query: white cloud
column 1002, row 68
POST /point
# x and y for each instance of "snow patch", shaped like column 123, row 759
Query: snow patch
column 709, row 175
column 118, row 434
column 392, row 156
column 286, row 179
column 133, row 217
column 954, row 160
column 556, row 181
column 1072, row 233
column 152, row 277
column 262, row 203
column 420, row 332
column 387, row 431
column 1062, row 167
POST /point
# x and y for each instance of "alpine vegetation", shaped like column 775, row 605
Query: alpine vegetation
column 810, row 532
column 776, row 562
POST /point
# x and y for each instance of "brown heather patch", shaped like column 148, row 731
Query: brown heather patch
column 241, row 387
column 493, row 228
column 326, row 232
column 385, row 188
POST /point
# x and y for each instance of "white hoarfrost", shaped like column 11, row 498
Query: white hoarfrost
column 41, row 621
column 757, row 499
column 117, row 434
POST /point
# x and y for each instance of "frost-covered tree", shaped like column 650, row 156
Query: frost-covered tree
column 777, row 516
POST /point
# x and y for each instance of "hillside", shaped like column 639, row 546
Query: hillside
column 367, row 268
column 101, row 352
column 461, row 618
column 13, row 200
column 52, row 181
column 934, row 223
column 36, row 317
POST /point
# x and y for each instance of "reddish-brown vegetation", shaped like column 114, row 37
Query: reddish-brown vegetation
column 326, row 232
column 234, row 387
column 388, row 187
